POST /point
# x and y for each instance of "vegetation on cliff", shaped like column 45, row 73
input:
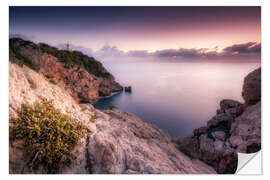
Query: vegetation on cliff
column 119, row 142
column 48, row 135
column 16, row 57
column 69, row 58
column 76, row 58
column 82, row 76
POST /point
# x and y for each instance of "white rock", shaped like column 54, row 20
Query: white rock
column 235, row 141
column 119, row 142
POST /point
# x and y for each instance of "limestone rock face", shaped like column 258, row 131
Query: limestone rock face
column 123, row 143
column 252, row 87
column 119, row 142
column 27, row 86
column 76, row 80
column 235, row 128
column 248, row 128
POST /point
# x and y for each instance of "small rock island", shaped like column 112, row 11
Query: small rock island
column 127, row 89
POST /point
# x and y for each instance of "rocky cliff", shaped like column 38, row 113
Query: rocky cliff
column 84, row 78
column 235, row 128
column 118, row 142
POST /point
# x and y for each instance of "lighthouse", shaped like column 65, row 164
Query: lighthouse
column 68, row 46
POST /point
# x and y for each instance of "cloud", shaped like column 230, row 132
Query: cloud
column 250, row 50
column 247, row 48
column 182, row 53
column 109, row 51
column 138, row 53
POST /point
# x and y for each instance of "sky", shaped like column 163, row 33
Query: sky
column 164, row 32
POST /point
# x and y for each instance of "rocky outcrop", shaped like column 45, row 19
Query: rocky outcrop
column 118, row 142
column 62, row 68
column 127, row 89
column 235, row 128
column 123, row 143
column 252, row 87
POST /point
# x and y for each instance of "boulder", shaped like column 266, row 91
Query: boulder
column 252, row 87
column 247, row 128
column 218, row 119
column 222, row 158
column 228, row 103
column 232, row 107
column 220, row 111
column 219, row 145
column 189, row 146
column 242, row 148
column 220, row 135
column 235, row 141
column 234, row 112
column 206, row 144
column 199, row 131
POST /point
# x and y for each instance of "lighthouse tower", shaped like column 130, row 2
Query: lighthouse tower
column 68, row 46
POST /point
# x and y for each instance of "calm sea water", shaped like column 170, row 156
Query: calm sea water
column 176, row 97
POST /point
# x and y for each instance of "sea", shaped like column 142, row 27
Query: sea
column 177, row 97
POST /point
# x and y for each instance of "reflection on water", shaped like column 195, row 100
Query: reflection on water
column 176, row 97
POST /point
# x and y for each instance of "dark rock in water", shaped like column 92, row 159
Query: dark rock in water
column 128, row 89
column 252, row 87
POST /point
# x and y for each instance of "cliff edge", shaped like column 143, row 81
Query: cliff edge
column 84, row 78
column 118, row 142
column 236, row 127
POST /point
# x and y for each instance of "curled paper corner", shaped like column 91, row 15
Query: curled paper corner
column 249, row 163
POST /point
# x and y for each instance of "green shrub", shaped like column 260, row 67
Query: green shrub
column 21, row 60
column 111, row 107
column 48, row 135
column 16, row 56
column 49, row 76
column 52, row 81
column 93, row 118
column 71, row 58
